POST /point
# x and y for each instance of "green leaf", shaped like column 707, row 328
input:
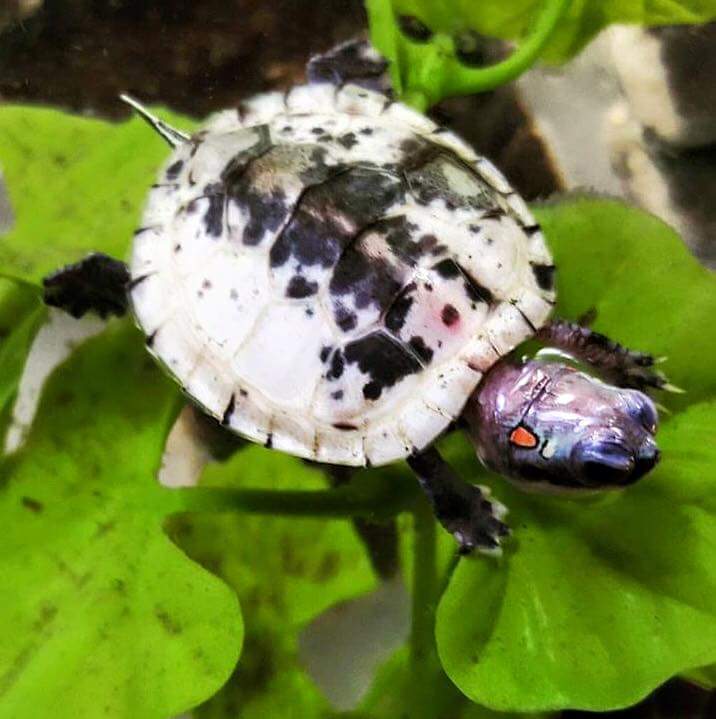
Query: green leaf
column 286, row 571
column 647, row 289
column 76, row 185
column 104, row 615
column 551, row 29
column 16, row 300
column 595, row 603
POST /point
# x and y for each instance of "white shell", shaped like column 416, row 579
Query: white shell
column 329, row 273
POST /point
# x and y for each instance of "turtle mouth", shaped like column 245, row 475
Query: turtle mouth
column 612, row 464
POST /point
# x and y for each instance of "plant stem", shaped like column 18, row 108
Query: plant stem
column 422, row 638
column 376, row 500
column 432, row 72
column 523, row 57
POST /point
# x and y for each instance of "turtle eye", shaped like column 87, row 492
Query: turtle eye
column 523, row 437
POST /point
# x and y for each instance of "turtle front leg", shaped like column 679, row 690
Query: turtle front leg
column 98, row 283
column 621, row 366
column 462, row 508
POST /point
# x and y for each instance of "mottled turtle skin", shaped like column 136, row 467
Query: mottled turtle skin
column 329, row 273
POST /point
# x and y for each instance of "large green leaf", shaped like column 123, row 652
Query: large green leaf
column 101, row 613
column 432, row 68
column 285, row 571
column 75, row 185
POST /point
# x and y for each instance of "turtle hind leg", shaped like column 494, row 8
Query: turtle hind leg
column 354, row 61
column 98, row 283
column 621, row 366
column 462, row 508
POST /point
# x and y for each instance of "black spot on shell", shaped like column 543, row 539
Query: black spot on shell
column 174, row 169
column 150, row 338
column 345, row 318
column 338, row 394
column 214, row 217
column 372, row 390
column 418, row 346
column 337, row 365
column 299, row 287
column 317, row 130
column 366, row 131
column 243, row 393
column 475, row 229
column 429, row 243
column 449, row 315
column 447, row 269
column 348, row 140
column 398, row 312
column 269, row 441
column 345, row 426
column 384, row 360
column 265, row 213
column 531, row 230
column 400, row 237
column 325, row 352
column 544, row 274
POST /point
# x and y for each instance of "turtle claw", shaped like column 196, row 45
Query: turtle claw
column 668, row 387
column 481, row 528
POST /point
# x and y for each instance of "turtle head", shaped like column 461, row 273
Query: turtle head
column 551, row 427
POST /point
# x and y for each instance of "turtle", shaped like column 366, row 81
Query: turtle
column 329, row 273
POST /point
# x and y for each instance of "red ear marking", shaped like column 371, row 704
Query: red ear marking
column 522, row 437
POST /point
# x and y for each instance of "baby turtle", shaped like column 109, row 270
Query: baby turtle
column 329, row 273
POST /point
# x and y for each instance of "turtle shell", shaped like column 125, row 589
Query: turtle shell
column 329, row 273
